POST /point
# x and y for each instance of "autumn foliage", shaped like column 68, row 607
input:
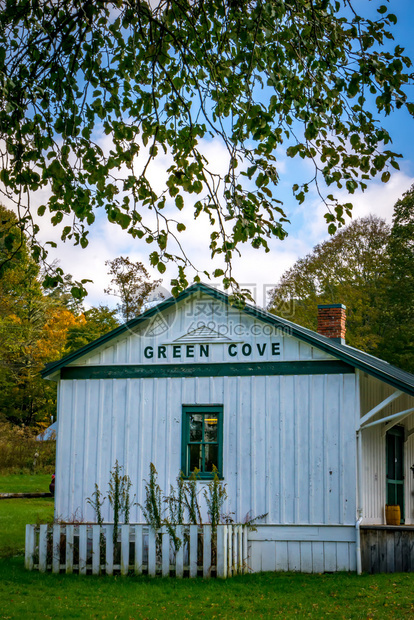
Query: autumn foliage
column 33, row 331
column 369, row 267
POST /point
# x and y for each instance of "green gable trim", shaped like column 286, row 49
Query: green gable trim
column 244, row 369
column 53, row 367
column 358, row 359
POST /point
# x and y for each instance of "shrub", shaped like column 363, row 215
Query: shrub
column 20, row 452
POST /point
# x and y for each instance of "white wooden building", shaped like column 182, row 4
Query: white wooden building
column 298, row 423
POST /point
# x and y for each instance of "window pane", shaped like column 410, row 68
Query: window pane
column 392, row 494
column 195, row 457
column 391, row 456
column 210, row 427
column 399, row 458
column 211, row 457
column 196, row 427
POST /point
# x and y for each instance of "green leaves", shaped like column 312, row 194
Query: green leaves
column 131, row 283
column 353, row 268
column 86, row 116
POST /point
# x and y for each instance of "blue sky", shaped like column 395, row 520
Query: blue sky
column 307, row 227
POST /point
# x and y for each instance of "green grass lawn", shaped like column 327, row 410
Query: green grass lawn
column 24, row 483
column 265, row 595
column 26, row 594
column 14, row 514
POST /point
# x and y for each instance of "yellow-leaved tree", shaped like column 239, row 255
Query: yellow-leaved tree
column 33, row 330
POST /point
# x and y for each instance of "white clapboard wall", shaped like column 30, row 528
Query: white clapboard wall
column 200, row 320
column 373, row 466
column 289, row 448
column 288, row 439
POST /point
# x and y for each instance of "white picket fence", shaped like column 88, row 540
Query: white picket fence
column 89, row 549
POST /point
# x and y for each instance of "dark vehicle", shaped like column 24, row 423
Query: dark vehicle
column 52, row 485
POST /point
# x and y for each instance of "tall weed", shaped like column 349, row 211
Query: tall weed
column 215, row 495
column 119, row 496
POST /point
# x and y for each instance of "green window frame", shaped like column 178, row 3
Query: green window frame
column 202, row 440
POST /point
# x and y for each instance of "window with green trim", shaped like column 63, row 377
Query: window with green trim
column 202, row 440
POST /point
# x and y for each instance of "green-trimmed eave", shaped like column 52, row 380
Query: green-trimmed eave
column 50, row 371
column 399, row 379
column 359, row 359
column 217, row 369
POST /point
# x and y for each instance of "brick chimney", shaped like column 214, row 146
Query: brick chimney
column 331, row 321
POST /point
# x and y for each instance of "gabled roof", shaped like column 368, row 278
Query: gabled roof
column 396, row 377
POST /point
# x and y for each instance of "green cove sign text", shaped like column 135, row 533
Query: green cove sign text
column 190, row 351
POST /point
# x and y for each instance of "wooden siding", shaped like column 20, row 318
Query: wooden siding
column 373, row 446
column 308, row 549
column 374, row 392
column 228, row 326
column 289, row 447
column 387, row 549
column 374, row 474
column 289, row 442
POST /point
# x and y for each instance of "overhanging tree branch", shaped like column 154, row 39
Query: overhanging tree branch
column 251, row 74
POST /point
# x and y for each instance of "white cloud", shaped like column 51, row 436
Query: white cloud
column 378, row 199
column 266, row 269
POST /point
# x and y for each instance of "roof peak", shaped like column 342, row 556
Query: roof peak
column 381, row 370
